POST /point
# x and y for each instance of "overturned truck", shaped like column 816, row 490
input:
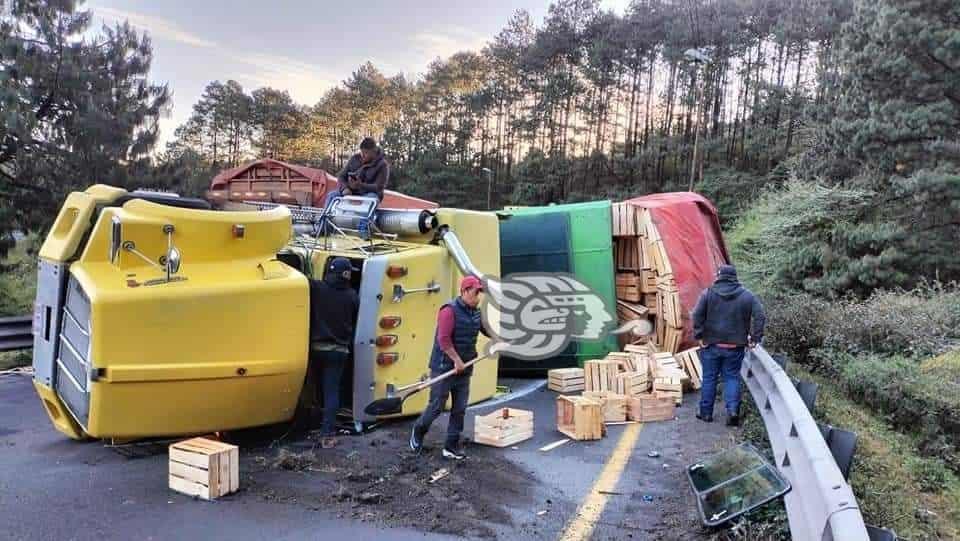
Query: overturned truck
column 156, row 316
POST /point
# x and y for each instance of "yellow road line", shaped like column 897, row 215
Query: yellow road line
column 588, row 514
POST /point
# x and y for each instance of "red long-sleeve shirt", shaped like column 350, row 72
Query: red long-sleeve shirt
column 445, row 324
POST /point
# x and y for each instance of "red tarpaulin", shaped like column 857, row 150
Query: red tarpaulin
column 690, row 230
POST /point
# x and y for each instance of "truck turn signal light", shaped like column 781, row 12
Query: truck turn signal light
column 385, row 359
column 396, row 271
column 385, row 340
column 389, row 322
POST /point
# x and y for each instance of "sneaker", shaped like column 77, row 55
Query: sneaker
column 416, row 440
column 453, row 454
column 733, row 420
column 705, row 418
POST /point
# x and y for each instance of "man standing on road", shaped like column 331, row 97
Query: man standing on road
column 458, row 325
column 366, row 173
column 334, row 305
column 727, row 318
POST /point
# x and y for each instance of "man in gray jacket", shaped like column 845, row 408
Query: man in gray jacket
column 727, row 318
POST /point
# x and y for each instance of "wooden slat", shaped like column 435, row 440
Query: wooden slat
column 188, row 487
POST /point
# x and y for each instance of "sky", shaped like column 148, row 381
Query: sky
column 304, row 47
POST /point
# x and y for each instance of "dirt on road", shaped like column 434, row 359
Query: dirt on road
column 378, row 479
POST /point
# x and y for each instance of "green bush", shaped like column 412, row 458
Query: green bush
column 913, row 400
column 916, row 323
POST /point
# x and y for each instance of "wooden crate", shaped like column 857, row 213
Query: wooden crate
column 669, row 383
column 650, row 301
column 690, row 361
column 672, row 338
column 600, row 374
column 627, row 311
column 565, row 380
column 503, row 427
column 625, row 360
column 649, row 408
column 659, row 260
column 633, row 383
column 613, row 405
column 629, row 293
column 628, row 253
column 580, row 418
column 668, row 300
column 624, row 219
column 628, row 279
column 648, row 281
column 204, row 468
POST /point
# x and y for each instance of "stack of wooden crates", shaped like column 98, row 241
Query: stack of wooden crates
column 646, row 287
column 641, row 384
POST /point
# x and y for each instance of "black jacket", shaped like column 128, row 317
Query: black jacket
column 727, row 313
column 373, row 175
column 333, row 311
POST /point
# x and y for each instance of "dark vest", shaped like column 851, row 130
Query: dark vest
column 466, row 327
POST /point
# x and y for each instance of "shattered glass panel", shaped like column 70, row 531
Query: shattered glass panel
column 733, row 482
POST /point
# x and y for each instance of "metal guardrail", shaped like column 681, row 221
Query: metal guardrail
column 16, row 333
column 821, row 506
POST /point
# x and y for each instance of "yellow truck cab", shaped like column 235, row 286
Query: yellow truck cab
column 155, row 316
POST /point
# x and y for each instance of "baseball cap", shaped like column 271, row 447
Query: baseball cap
column 340, row 264
column 471, row 282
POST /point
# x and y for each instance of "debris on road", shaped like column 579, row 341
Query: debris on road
column 554, row 445
column 653, row 454
column 439, row 474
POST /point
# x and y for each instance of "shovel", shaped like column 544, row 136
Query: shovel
column 392, row 405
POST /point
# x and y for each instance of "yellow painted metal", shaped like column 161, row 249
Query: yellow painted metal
column 426, row 263
column 59, row 416
column 225, row 346
column 73, row 221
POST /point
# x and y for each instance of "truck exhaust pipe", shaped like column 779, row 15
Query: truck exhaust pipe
column 452, row 243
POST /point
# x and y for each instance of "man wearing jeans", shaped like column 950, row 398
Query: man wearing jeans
column 334, row 305
column 727, row 318
column 458, row 325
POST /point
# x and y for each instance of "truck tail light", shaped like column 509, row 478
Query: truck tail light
column 396, row 271
column 386, row 359
column 385, row 340
column 389, row 322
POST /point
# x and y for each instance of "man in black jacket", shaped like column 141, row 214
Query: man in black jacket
column 366, row 173
column 727, row 318
column 334, row 305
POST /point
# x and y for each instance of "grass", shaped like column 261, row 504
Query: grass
column 18, row 286
column 18, row 278
column 896, row 487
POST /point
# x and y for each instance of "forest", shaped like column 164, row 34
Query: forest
column 825, row 131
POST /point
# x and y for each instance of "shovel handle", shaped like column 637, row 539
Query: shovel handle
column 410, row 389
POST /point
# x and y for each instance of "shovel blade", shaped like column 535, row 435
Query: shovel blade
column 384, row 406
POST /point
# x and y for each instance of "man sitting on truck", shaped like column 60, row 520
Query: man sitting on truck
column 334, row 305
column 365, row 174
column 455, row 343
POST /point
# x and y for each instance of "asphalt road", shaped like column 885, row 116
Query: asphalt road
column 55, row 488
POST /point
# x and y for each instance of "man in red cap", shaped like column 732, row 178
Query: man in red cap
column 458, row 324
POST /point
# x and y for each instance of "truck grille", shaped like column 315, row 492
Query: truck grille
column 72, row 362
